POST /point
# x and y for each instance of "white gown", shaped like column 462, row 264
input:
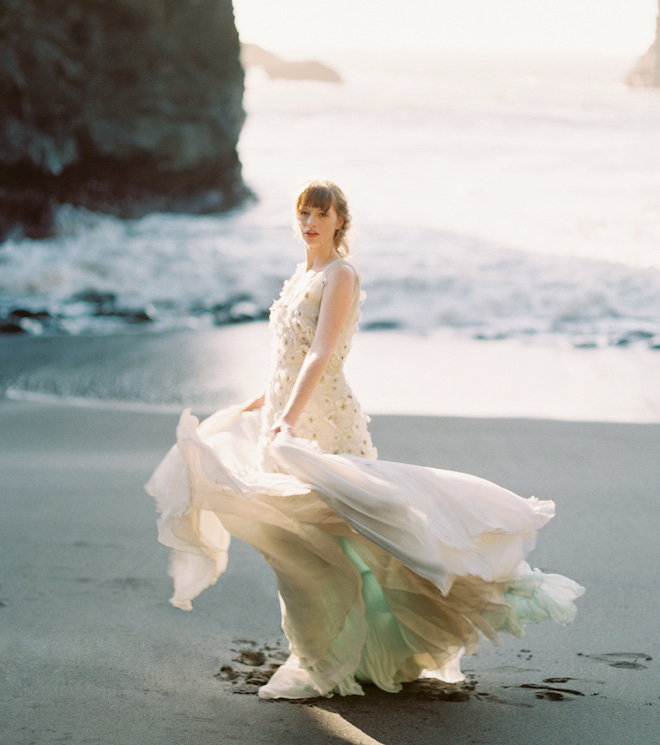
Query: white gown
column 385, row 571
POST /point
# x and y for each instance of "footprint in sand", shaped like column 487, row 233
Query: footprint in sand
column 492, row 699
column 255, row 658
column 253, row 666
column 551, row 693
column 625, row 660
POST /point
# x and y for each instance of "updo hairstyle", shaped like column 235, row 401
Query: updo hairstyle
column 323, row 195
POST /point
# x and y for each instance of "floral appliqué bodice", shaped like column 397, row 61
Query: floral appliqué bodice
column 332, row 418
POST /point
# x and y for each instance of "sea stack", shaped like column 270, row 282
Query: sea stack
column 275, row 67
column 646, row 72
column 121, row 106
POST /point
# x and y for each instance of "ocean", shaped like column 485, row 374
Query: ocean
column 493, row 198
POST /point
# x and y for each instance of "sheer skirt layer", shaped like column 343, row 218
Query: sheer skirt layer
column 384, row 570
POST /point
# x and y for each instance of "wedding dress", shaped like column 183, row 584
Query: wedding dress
column 385, row 571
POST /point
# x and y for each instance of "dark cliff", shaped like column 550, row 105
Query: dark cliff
column 120, row 106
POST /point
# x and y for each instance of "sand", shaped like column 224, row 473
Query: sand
column 91, row 651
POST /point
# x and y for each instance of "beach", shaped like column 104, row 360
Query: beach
column 506, row 229
column 510, row 331
column 92, row 651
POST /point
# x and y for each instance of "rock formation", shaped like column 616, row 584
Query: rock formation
column 120, row 106
column 275, row 67
column 646, row 72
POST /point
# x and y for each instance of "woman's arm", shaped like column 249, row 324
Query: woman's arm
column 336, row 303
column 254, row 403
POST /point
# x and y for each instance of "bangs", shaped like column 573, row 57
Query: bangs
column 316, row 196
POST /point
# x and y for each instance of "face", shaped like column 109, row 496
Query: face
column 318, row 227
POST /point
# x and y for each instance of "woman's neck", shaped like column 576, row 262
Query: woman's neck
column 319, row 260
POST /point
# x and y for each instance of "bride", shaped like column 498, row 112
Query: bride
column 386, row 571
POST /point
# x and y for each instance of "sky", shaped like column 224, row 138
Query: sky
column 303, row 27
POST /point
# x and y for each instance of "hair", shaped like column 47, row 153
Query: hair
column 324, row 195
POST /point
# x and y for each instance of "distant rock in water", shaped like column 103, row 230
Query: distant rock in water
column 121, row 106
column 275, row 67
column 646, row 72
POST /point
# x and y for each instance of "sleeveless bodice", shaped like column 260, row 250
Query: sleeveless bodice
column 332, row 417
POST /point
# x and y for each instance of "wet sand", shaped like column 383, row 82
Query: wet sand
column 392, row 372
column 91, row 651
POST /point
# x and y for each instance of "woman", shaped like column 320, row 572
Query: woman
column 386, row 571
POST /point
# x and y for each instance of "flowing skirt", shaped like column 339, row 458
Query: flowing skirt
column 385, row 571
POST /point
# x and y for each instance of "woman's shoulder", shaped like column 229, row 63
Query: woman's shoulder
column 342, row 276
column 341, row 267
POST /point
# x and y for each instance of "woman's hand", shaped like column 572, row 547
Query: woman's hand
column 255, row 403
column 280, row 426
